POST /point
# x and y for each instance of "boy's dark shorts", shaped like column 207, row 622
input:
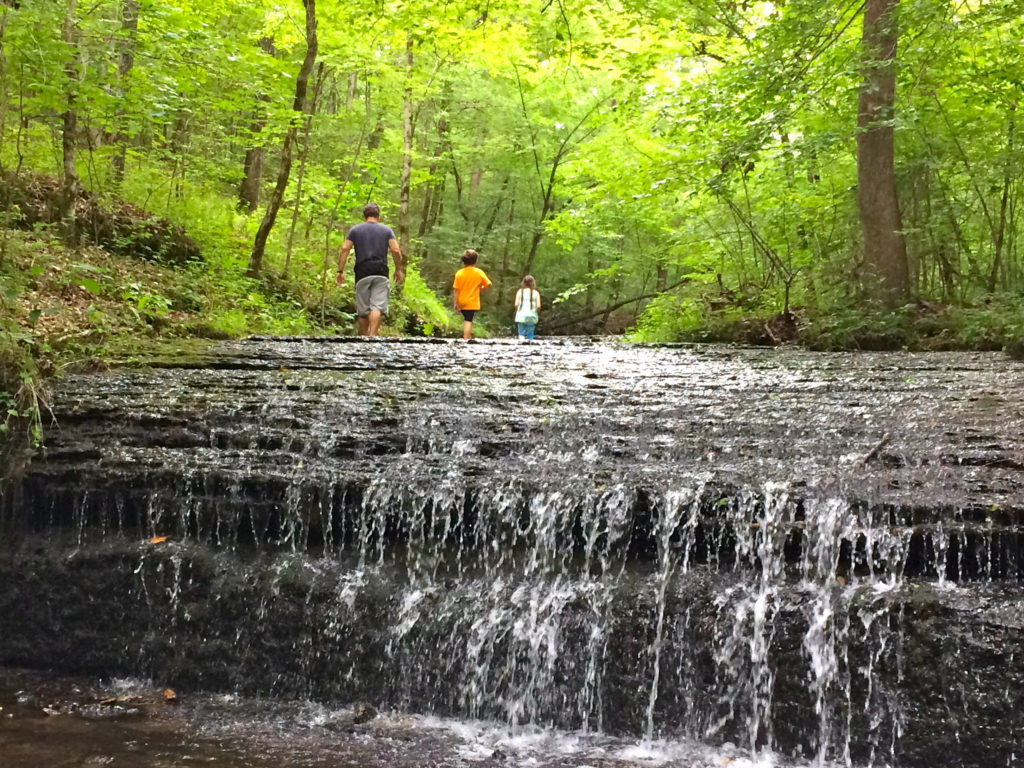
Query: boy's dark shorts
column 467, row 314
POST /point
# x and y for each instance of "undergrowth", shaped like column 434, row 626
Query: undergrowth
column 996, row 323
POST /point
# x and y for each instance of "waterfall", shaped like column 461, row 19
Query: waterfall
column 659, row 541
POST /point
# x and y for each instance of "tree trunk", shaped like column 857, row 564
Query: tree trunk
column 407, row 136
column 252, row 176
column 4, row 102
column 545, row 209
column 252, row 168
column 298, row 107
column 506, row 251
column 885, row 249
column 1004, row 200
column 307, row 130
column 69, row 122
column 350, row 93
column 435, row 185
column 125, row 63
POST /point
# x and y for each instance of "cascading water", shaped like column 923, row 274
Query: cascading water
column 800, row 553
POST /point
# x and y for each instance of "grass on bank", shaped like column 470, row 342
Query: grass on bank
column 995, row 323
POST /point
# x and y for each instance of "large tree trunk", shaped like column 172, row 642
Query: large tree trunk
column 298, row 106
column 69, row 120
column 252, row 176
column 125, row 63
column 252, row 168
column 885, row 250
column 407, row 136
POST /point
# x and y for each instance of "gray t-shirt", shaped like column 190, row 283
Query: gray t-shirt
column 370, row 240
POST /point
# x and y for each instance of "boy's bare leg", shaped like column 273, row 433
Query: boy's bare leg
column 362, row 325
column 467, row 330
column 373, row 322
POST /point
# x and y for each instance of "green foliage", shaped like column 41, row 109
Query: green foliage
column 420, row 310
column 21, row 385
column 604, row 148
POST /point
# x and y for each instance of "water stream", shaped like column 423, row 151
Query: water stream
column 810, row 557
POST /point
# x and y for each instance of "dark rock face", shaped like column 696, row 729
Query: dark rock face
column 817, row 553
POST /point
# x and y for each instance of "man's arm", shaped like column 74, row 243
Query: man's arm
column 342, row 259
column 396, row 254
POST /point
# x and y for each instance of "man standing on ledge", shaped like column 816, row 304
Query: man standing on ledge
column 372, row 241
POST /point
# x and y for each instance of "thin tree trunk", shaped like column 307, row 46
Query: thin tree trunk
column 407, row 137
column 252, row 167
column 350, row 94
column 489, row 226
column 435, row 185
column 548, row 186
column 506, row 251
column 125, row 63
column 5, row 193
column 69, row 122
column 298, row 107
column 885, row 249
column 3, row 90
column 307, row 129
column 588, row 299
column 1004, row 200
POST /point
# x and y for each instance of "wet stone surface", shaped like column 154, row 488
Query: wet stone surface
column 819, row 554
column 941, row 429
column 42, row 724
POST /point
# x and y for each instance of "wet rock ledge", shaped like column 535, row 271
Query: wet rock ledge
column 812, row 551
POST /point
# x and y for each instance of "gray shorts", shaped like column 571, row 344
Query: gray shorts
column 372, row 293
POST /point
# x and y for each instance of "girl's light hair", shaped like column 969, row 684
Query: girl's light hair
column 528, row 282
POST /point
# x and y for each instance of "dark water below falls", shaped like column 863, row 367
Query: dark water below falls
column 743, row 556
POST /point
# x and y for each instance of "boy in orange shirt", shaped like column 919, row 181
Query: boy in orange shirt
column 469, row 281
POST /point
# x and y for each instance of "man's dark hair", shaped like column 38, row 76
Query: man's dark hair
column 371, row 211
column 469, row 257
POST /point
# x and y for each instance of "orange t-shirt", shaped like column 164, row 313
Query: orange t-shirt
column 467, row 285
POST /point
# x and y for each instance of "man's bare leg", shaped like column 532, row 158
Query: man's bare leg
column 373, row 322
column 467, row 330
column 362, row 325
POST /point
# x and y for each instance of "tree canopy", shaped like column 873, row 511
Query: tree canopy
column 652, row 164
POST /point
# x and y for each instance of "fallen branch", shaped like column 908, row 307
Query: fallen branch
column 613, row 307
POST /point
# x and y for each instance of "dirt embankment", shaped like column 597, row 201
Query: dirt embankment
column 121, row 228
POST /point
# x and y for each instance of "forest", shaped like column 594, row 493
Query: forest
column 842, row 174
